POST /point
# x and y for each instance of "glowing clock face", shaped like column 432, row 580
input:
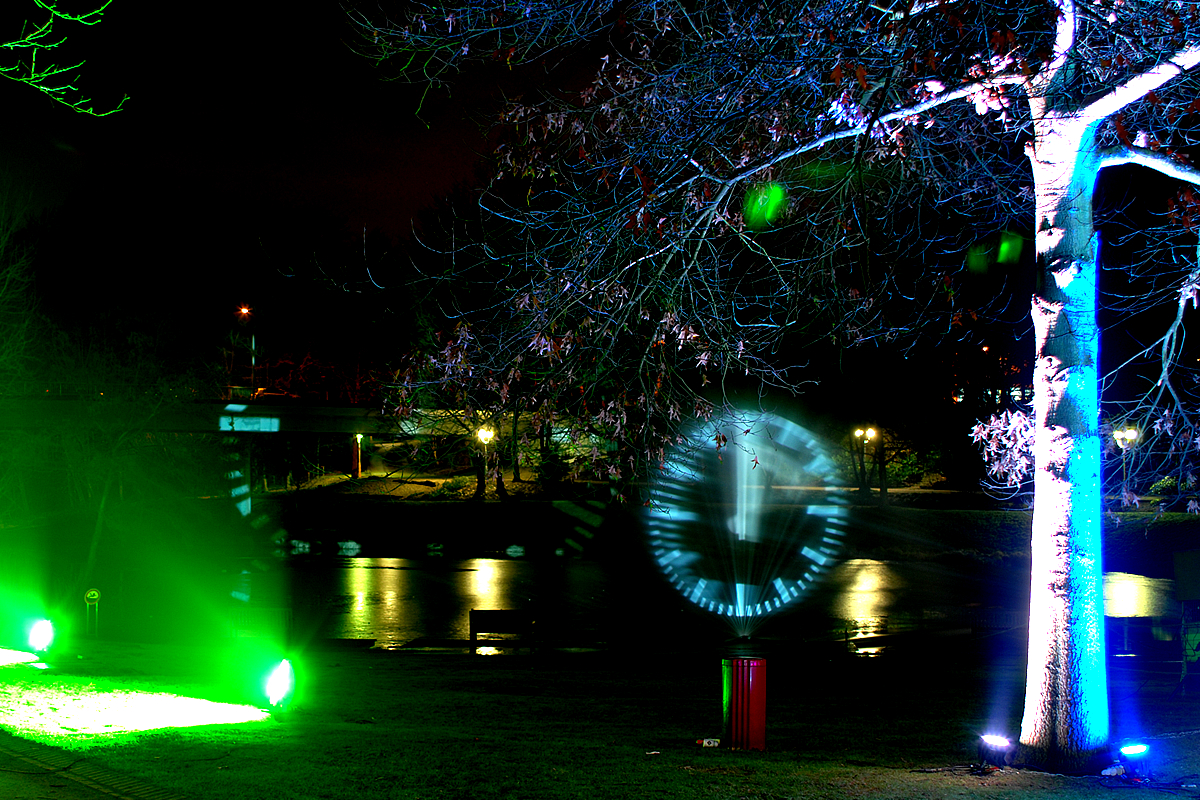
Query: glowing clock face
column 748, row 517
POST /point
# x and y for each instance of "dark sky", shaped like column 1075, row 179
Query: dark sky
column 252, row 136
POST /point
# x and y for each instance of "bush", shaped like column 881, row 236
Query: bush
column 1166, row 485
column 452, row 486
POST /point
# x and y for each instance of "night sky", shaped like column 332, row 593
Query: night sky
column 252, row 138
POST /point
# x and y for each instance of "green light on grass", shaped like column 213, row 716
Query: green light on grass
column 15, row 657
column 281, row 684
column 41, row 635
column 763, row 205
column 75, row 708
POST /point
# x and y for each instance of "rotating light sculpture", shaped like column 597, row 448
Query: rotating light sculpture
column 744, row 523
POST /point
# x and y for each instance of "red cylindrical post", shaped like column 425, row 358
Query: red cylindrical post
column 745, row 703
column 356, row 455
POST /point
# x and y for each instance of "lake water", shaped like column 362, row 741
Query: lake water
column 400, row 602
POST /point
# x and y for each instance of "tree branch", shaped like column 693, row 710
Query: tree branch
column 1151, row 159
column 1139, row 86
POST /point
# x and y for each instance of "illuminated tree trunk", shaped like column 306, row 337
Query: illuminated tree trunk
column 1065, row 724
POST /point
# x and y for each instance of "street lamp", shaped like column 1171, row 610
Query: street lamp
column 1125, row 439
column 861, row 437
column 244, row 314
column 485, row 435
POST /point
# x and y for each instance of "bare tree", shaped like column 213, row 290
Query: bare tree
column 38, row 37
column 649, row 176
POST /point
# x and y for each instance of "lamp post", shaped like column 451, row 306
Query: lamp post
column 1125, row 439
column 861, row 437
column 485, row 435
column 244, row 315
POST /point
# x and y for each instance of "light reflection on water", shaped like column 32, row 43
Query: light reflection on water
column 866, row 592
column 1127, row 595
column 396, row 601
column 870, row 598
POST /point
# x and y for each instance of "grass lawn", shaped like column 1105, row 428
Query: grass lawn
column 390, row 724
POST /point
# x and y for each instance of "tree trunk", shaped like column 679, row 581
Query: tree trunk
column 1066, row 721
column 501, row 490
column 881, row 467
column 516, row 446
column 89, row 568
column 480, row 464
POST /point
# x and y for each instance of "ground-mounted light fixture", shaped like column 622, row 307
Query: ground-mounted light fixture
column 41, row 636
column 281, row 685
column 1132, row 761
column 995, row 750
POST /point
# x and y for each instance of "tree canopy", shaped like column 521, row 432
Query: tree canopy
column 645, row 180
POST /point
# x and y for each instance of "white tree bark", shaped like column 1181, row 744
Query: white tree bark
column 1066, row 703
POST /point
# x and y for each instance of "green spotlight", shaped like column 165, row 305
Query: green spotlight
column 41, row 636
column 1009, row 251
column 763, row 205
column 281, row 684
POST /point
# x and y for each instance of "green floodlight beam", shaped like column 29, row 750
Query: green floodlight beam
column 72, row 709
column 8, row 657
column 281, row 684
column 41, row 636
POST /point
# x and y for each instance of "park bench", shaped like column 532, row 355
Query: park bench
column 501, row 621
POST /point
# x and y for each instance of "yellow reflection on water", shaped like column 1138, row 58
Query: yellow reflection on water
column 376, row 588
column 483, row 582
column 1127, row 595
column 867, row 589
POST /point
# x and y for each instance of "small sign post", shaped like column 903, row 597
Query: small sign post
column 91, row 600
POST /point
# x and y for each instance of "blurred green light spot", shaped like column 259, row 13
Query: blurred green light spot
column 1010, row 248
column 41, row 635
column 281, row 683
column 763, row 205
column 979, row 256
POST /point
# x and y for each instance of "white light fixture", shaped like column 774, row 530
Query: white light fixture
column 995, row 750
column 281, row 684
